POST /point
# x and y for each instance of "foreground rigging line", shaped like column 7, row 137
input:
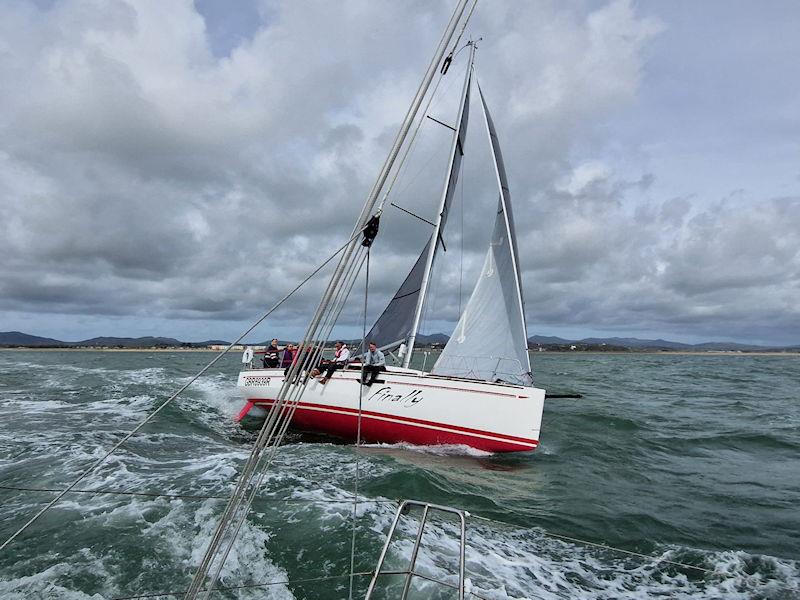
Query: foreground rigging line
column 283, row 416
column 364, row 350
column 321, row 322
column 242, row 587
column 603, row 546
column 130, row 434
column 288, row 582
column 112, row 492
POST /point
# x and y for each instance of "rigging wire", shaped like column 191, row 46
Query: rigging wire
column 449, row 59
column 358, row 432
column 428, row 162
column 318, row 329
column 461, row 234
column 257, row 466
column 603, row 546
column 270, row 437
column 423, row 114
column 287, row 582
column 172, row 496
column 85, row 473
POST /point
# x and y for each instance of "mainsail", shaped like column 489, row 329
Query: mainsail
column 456, row 154
column 400, row 320
column 490, row 340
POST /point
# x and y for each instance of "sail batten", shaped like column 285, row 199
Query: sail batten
column 490, row 339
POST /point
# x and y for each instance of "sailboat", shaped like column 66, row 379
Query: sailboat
column 479, row 392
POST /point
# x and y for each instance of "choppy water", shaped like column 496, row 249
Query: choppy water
column 694, row 459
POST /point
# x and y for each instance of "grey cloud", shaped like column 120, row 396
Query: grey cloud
column 157, row 161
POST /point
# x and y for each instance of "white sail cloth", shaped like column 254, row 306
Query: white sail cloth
column 490, row 340
column 396, row 323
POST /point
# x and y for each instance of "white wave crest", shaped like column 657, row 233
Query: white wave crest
column 435, row 450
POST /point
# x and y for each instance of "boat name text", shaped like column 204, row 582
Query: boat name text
column 385, row 394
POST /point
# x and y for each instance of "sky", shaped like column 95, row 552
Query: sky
column 174, row 168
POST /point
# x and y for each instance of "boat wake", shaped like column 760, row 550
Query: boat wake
column 438, row 450
column 505, row 562
column 104, row 546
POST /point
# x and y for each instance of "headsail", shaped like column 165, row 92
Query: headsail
column 490, row 340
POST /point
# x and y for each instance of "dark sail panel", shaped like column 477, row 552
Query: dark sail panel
column 458, row 154
column 396, row 321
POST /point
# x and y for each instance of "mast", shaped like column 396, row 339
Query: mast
column 457, row 146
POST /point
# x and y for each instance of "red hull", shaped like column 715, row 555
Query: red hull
column 378, row 427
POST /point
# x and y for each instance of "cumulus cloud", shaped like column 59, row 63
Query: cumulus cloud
column 162, row 163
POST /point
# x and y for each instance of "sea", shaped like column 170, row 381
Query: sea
column 673, row 476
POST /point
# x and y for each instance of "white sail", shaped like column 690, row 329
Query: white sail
column 490, row 340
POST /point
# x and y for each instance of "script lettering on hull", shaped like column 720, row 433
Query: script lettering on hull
column 385, row 394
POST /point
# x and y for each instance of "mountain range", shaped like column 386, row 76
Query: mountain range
column 19, row 339
column 24, row 340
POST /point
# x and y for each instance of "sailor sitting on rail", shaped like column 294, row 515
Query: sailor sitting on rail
column 374, row 363
column 271, row 359
column 340, row 359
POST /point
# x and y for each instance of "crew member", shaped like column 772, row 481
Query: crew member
column 271, row 355
column 340, row 359
column 374, row 363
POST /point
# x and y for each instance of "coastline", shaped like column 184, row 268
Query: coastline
column 533, row 352
column 34, row 349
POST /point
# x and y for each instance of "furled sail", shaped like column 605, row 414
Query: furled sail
column 490, row 339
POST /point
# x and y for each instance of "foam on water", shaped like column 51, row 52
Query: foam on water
column 42, row 585
column 101, row 546
column 438, row 450
column 504, row 563
column 175, row 534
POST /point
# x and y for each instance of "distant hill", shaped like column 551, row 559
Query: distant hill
column 24, row 340
column 645, row 344
column 434, row 338
column 17, row 338
column 637, row 343
column 547, row 339
column 731, row 346
column 124, row 342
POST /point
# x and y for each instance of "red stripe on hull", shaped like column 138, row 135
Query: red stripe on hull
column 375, row 428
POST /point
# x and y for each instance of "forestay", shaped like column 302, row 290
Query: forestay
column 490, row 340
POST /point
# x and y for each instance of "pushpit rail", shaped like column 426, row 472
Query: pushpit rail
column 410, row 572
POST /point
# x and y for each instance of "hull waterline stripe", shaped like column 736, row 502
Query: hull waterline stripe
column 405, row 421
